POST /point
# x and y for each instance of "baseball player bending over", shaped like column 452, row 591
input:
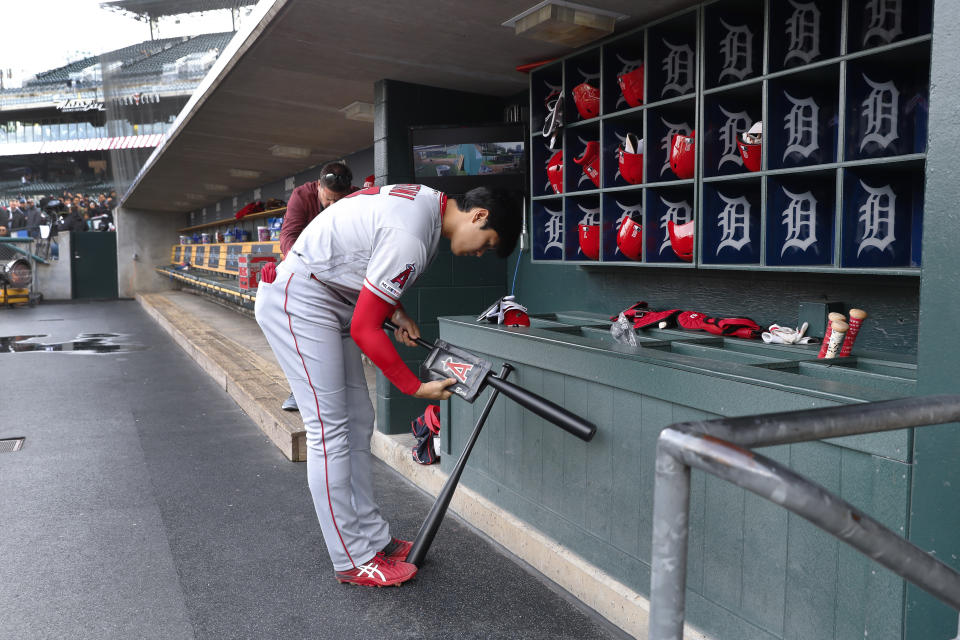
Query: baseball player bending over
column 343, row 277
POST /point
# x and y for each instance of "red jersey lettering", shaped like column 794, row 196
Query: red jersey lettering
column 408, row 191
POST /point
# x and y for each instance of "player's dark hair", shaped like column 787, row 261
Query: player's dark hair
column 505, row 214
column 337, row 177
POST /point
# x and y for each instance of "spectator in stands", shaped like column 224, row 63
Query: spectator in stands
column 9, row 219
column 12, row 218
column 306, row 201
column 72, row 221
column 35, row 218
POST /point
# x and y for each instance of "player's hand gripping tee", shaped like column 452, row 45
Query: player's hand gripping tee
column 366, row 329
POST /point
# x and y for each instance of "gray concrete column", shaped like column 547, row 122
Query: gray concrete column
column 144, row 239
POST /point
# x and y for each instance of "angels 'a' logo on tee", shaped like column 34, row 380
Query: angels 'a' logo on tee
column 460, row 370
column 401, row 278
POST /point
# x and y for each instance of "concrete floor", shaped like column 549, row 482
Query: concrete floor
column 146, row 504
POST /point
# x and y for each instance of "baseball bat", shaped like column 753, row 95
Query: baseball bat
column 544, row 408
column 431, row 524
column 836, row 338
column 831, row 318
column 857, row 316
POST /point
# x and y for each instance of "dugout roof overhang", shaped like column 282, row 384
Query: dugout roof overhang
column 285, row 77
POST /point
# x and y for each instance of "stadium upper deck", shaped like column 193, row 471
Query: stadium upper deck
column 59, row 127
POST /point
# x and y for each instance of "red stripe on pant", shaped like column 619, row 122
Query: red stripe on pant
column 326, row 472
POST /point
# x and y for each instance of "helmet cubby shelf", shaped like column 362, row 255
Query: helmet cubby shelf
column 792, row 135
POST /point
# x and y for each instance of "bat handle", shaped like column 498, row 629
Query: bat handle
column 431, row 523
column 420, row 341
column 566, row 420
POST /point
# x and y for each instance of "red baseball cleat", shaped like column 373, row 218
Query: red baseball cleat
column 396, row 550
column 378, row 572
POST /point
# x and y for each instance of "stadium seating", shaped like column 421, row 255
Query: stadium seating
column 153, row 65
column 126, row 56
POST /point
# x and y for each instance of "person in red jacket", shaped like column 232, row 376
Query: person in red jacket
column 309, row 199
column 306, row 201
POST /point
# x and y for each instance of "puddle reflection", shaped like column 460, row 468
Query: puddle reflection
column 83, row 343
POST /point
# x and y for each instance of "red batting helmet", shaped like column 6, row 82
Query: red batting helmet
column 590, row 240
column 630, row 159
column 631, row 85
column 682, row 151
column 630, row 238
column 555, row 171
column 590, row 161
column 750, row 146
column 681, row 239
column 587, row 99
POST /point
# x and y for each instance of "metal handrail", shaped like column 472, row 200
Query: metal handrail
column 719, row 447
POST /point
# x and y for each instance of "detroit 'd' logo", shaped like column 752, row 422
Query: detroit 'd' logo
column 460, row 370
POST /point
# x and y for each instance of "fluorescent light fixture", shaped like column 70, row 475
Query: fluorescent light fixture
column 245, row 173
column 181, row 203
column 217, row 188
column 194, row 196
column 565, row 23
column 362, row 111
column 289, row 151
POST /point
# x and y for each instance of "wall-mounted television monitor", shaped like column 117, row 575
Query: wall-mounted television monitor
column 458, row 158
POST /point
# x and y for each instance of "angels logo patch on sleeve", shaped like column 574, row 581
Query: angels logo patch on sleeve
column 396, row 284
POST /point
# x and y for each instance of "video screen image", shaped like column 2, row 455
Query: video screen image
column 468, row 159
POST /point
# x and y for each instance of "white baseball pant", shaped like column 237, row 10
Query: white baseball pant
column 308, row 329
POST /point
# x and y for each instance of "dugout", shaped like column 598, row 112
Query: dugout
column 255, row 129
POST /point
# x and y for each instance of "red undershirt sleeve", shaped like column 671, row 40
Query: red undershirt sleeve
column 366, row 329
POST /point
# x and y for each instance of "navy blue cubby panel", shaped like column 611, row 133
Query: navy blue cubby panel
column 802, row 32
column 620, row 57
column 800, row 218
column 874, row 23
column 726, row 116
column 583, row 211
column 803, row 123
column 665, row 204
column 733, row 34
column 672, row 56
column 576, row 141
column 882, row 216
column 547, row 229
column 887, row 103
column 662, row 123
column 618, row 206
column 731, row 222
column 614, row 132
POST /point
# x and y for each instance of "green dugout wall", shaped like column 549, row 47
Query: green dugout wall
column 935, row 505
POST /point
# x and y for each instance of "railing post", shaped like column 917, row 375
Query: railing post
column 671, row 528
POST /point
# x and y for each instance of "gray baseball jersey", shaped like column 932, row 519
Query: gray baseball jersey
column 381, row 238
